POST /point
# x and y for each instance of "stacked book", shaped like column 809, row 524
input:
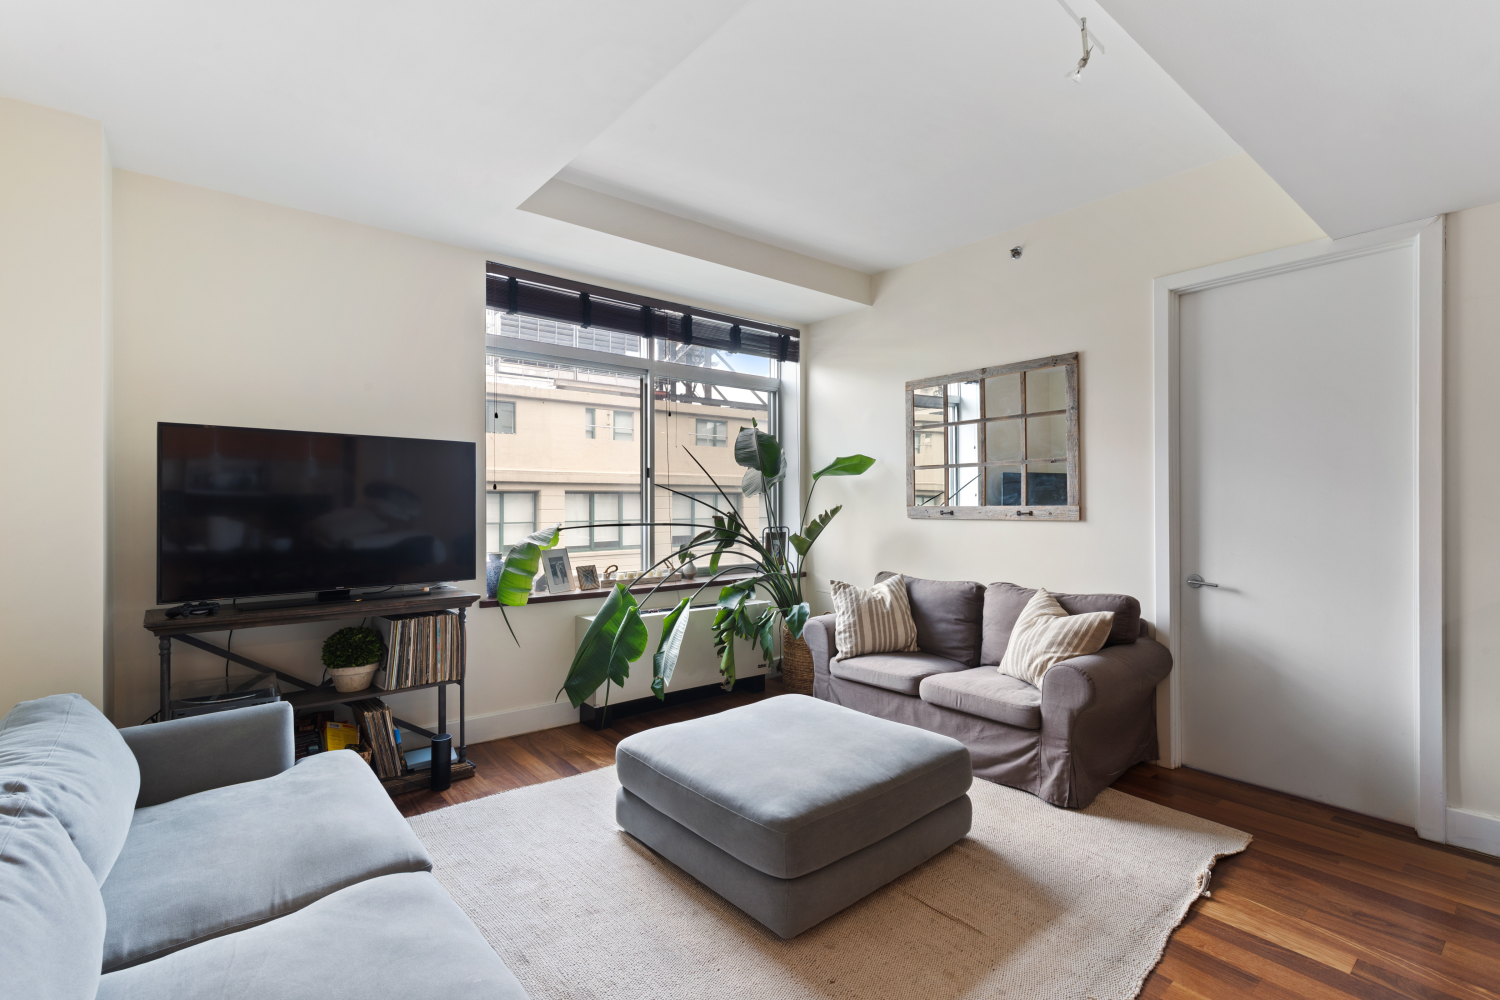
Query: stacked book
column 374, row 717
column 423, row 649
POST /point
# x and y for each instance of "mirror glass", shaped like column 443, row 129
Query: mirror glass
column 1003, row 486
column 963, row 401
column 963, row 486
column 1002, row 441
column 964, row 442
column 1046, row 389
column 1047, row 437
column 1002, row 395
column 929, row 446
column 1047, row 484
column 927, row 406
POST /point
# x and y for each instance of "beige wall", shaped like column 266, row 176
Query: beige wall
column 54, row 349
column 1471, row 528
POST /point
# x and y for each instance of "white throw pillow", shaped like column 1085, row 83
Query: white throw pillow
column 872, row 619
column 1045, row 635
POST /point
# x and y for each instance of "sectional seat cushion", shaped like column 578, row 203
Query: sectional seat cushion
column 395, row 936
column 51, row 916
column 948, row 614
column 789, row 785
column 987, row 693
column 1004, row 602
column 232, row 857
column 74, row 765
column 899, row 672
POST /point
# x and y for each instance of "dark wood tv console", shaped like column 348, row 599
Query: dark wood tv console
column 313, row 695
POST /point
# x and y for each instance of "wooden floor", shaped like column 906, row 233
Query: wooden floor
column 1325, row 903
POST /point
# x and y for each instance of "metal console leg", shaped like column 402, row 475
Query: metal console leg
column 164, row 647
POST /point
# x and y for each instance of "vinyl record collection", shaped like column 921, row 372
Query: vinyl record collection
column 423, row 649
column 374, row 717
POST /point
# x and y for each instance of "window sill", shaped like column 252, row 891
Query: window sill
column 601, row 592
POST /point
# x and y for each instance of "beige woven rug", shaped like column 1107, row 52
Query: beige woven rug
column 1036, row 903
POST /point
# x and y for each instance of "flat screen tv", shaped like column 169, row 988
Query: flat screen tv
column 242, row 512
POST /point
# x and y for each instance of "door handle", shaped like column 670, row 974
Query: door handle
column 1195, row 581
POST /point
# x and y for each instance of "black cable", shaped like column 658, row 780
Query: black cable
column 229, row 647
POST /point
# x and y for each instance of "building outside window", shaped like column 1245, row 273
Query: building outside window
column 500, row 416
column 624, row 425
column 509, row 518
column 595, row 520
column 712, row 433
column 618, row 425
column 691, row 513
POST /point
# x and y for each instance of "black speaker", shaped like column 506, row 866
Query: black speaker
column 442, row 762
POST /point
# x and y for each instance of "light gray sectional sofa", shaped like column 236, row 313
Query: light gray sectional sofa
column 1093, row 718
column 191, row 859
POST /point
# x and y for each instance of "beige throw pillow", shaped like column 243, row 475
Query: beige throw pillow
column 872, row 619
column 1045, row 634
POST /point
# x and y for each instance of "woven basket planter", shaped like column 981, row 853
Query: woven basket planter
column 796, row 664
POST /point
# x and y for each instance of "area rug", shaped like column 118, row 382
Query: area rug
column 1036, row 903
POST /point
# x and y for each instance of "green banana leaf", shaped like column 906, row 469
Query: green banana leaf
column 849, row 465
column 520, row 566
column 815, row 528
column 758, row 451
column 616, row 638
column 673, row 630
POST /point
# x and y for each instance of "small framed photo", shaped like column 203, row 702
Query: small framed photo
column 588, row 578
column 559, row 570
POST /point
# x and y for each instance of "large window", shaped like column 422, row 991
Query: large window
column 658, row 392
column 509, row 518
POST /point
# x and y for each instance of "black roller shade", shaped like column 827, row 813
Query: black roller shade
column 530, row 293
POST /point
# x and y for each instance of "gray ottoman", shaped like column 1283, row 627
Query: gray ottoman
column 793, row 808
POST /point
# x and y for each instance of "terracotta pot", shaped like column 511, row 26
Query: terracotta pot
column 796, row 664
column 346, row 679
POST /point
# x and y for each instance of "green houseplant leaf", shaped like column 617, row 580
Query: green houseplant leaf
column 594, row 662
column 849, row 465
column 756, row 450
column 810, row 534
column 673, row 630
column 520, row 566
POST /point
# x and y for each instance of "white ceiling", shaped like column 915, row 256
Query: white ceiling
column 872, row 133
column 1368, row 113
column 867, row 133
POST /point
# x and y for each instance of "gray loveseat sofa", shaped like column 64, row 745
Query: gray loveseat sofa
column 1093, row 717
column 190, row 859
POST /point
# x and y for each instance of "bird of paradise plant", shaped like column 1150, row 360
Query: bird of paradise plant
column 617, row 637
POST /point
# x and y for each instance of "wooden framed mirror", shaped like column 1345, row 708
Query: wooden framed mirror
column 997, row 443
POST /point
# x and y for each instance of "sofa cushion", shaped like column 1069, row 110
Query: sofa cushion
column 395, row 936
column 987, row 693
column 899, row 672
column 872, row 619
column 1004, row 602
column 72, row 761
column 231, row 857
column 949, row 615
column 789, row 785
column 51, row 916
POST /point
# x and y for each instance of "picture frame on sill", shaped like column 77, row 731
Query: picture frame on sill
column 559, row 571
column 588, row 577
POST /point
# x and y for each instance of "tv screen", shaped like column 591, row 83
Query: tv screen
column 242, row 512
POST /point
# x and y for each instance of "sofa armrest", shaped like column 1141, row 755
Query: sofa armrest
column 184, row 756
column 819, row 635
column 1116, row 677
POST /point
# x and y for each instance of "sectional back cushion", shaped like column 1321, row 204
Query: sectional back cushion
column 1003, row 603
column 73, row 764
column 948, row 614
column 50, row 907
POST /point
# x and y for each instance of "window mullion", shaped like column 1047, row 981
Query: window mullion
column 648, row 467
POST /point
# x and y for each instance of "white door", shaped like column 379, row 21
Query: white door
column 1296, row 432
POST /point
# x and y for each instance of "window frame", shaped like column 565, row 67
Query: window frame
column 490, row 489
column 1071, row 511
column 594, row 545
column 713, row 440
column 491, row 403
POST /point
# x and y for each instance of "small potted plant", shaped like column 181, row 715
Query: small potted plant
column 352, row 655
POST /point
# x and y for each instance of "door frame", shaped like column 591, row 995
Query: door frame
column 1426, row 237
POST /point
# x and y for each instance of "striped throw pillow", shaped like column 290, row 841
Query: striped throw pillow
column 1045, row 635
column 872, row 619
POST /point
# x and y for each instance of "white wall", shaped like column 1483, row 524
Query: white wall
column 54, row 346
column 1471, row 528
column 1083, row 283
column 234, row 311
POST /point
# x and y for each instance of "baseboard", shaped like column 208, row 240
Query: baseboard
column 1474, row 831
column 593, row 716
